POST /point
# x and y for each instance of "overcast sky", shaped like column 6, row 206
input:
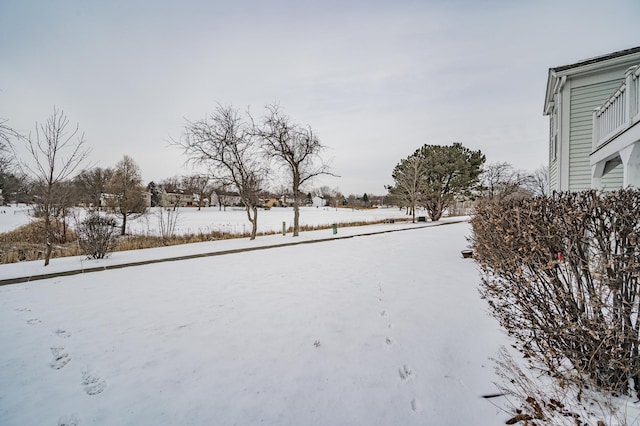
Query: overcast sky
column 374, row 79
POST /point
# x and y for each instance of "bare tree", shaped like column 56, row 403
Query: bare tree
column 409, row 183
column 297, row 149
column 225, row 143
column 7, row 158
column 223, row 195
column 171, row 184
column 91, row 184
column 7, row 153
column 125, row 191
column 17, row 187
column 501, row 181
column 331, row 197
column 539, row 184
column 198, row 185
column 57, row 152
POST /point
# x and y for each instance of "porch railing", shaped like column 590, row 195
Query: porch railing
column 620, row 111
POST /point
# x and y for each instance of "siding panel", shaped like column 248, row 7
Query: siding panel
column 613, row 180
column 583, row 101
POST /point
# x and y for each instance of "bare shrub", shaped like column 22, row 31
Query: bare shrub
column 167, row 222
column 98, row 236
column 561, row 276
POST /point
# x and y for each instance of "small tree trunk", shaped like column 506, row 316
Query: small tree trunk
column 296, row 203
column 47, row 253
column 253, row 219
column 124, row 225
column 254, row 228
column 296, row 218
column 47, row 233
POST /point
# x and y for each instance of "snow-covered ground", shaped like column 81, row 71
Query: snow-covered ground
column 232, row 220
column 386, row 329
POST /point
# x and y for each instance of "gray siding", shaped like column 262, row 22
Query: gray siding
column 613, row 180
column 583, row 101
column 553, row 175
column 553, row 162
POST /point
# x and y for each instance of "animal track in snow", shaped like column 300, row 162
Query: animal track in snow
column 383, row 313
column 388, row 341
column 34, row 321
column 23, row 309
column 62, row 333
column 405, row 373
column 93, row 385
column 60, row 358
column 71, row 420
column 414, row 405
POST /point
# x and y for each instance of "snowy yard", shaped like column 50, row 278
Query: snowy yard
column 232, row 220
column 385, row 329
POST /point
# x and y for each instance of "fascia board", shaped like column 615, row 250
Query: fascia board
column 597, row 66
column 551, row 84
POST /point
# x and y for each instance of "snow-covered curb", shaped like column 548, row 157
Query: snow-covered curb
column 34, row 270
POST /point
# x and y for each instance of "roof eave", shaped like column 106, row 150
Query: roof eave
column 548, row 98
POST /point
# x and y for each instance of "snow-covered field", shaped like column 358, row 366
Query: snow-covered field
column 231, row 220
column 386, row 329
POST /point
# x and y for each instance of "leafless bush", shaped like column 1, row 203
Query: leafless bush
column 561, row 276
column 538, row 399
column 98, row 236
column 167, row 222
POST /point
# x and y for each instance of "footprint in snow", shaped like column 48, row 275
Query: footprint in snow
column 62, row 333
column 93, row 385
column 71, row 420
column 23, row 309
column 60, row 358
column 34, row 321
column 405, row 373
column 388, row 341
column 415, row 407
column 383, row 313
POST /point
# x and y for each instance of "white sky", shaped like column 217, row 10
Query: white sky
column 374, row 79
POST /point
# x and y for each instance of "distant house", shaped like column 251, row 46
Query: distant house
column 177, row 199
column 594, row 109
column 108, row 200
column 274, row 202
column 225, row 198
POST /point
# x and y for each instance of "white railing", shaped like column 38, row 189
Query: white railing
column 620, row 111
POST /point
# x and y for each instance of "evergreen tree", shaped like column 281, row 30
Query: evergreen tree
column 450, row 171
column 154, row 190
column 434, row 175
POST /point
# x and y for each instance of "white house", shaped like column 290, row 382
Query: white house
column 594, row 110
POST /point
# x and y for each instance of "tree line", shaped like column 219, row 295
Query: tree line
column 434, row 177
column 239, row 153
column 241, row 156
